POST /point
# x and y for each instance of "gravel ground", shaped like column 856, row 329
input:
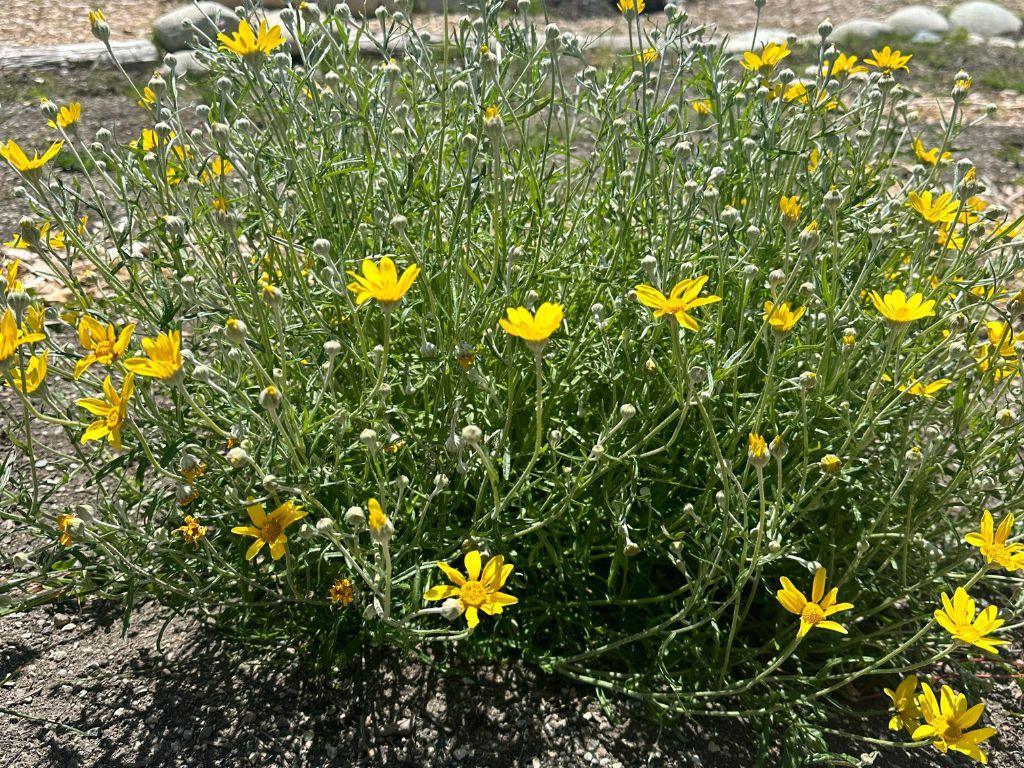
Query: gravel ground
column 200, row 700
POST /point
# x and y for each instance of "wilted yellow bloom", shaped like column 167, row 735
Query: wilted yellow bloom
column 789, row 207
column 163, row 357
column 32, row 378
column 112, row 411
column 904, row 703
column 534, row 329
column 382, row 282
column 342, row 592
column 477, row 590
column 929, row 156
column 844, row 65
column 12, row 337
column 888, row 60
column 269, row 529
column 781, row 318
column 683, row 298
column 65, row 523
column 897, row 308
column 67, row 116
column 246, row 44
column 957, row 616
column 813, row 613
column 104, row 344
column 764, row 62
column 24, row 164
column 993, row 544
column 947, row 721
column 192, row 532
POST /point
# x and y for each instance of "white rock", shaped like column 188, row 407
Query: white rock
column 859, row 30
column 745, row 41
column 917, row 18
column 985, row 19
column 1002, row 42
column 926, row 37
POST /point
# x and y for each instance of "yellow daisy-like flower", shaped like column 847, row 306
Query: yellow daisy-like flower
column 781, row 318
column 381, row 282
column 65, row 523
column 219, row 166
column 342, row 592
column 67, row 116
column 934, row 208
column 702, row 106
column 377, row 520
column 918, row 388
column 999, row 353
column 534, row 329
column 683, row 298
column 992, row 542
column 269, row 529
column 769, row 58
column 104, row 344
column 192, row 532
column 957, row 616
column 904, row 703
column 897, row 308
column 10, row 271
column 757, row 448
column 889, row 61
column 813, row 613
column 947, row 721
column 12, row 337
column 927, row 156
column 790, row 208
column 24, row 164
column 112, row 411
column 246, row 44
column 844, row 65
column 478, row 589
column 647, row 56
column 631, row 6
column 29, row 380
column 95, row 16
column 163, row 357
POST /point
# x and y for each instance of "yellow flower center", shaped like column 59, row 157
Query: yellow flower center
column 812, row 613
column 271, row 531
column 104, row 351
column 113, row 419
column 473, row 593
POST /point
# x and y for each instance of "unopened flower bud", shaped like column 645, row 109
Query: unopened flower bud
column 234, row 330
column 238, row 457
column 368, row 437
column 355, row 517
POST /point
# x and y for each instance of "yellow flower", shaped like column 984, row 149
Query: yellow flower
column 149, row 140
column 789, row 207
column 65, row 523
column 112, row 411
column 22, row 163
column 11, row 280
column 683, row 298
column 940, row 209
column 904, row 703
column 964, row 84
column 813, row 160
column 104, row 344
column 381, row 282
column 163, row 359
column 269, row 529
column 67, row 116
column 377, row 520
column 947, row 721
column 219, row 166
column 888, row 60
column 631, row 6
column 844, row 65
column 476, row 591
column 11, row 337
column 957, row 616
column 534, row 329
column 647, row 56
column 897, row 308
column 95, row 16
column 781, row 318
column 701, row 106
column 947, row 237
column 929, row 156
column 770, row 56
column 192, row 532
column 35, row 317
column 342, row 592
column 830, row 464
column 757, row 449
column 33, row 376
column 246, row 44
column 918, row 388
column 1000, row 350
column 992, row 543
column 813, row 613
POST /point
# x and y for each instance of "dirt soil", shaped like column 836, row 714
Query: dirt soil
column 77, row 693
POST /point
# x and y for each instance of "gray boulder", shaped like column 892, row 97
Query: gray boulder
column 985, row 19
column 917, row 18
column 188, row 26
column 859, row 30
